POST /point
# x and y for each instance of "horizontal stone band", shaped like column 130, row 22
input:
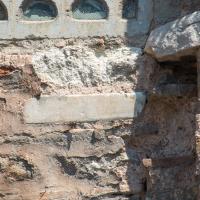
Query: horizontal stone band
column 73, row 108
column 17, row 26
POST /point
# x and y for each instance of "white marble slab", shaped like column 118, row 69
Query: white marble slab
column 83, row 108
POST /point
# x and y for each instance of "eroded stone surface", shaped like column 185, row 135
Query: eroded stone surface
column 83, row 66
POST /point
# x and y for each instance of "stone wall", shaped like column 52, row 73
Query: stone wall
column 86, row 114
column 64, row 25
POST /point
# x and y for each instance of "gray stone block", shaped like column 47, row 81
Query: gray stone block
column 175, row 39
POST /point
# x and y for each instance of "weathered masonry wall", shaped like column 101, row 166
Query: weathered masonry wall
column 99, row 101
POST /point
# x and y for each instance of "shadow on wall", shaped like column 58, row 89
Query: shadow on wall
column 3, row 12
column 39, row 10
column 161, row 141
column 90, row 10
column 138, row 16
column 130, row 13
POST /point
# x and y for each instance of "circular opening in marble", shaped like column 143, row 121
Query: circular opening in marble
column 129, row 9
column 38, row 10
column 3, row 12
column 89, row 9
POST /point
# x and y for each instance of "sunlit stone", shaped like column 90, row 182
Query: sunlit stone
column 83, row 108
